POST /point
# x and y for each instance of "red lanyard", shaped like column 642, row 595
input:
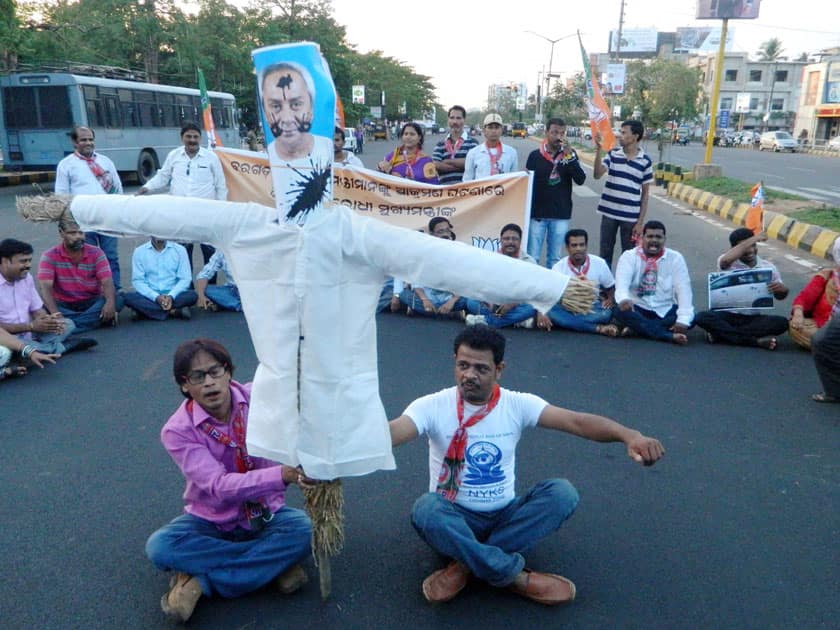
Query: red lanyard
column 449, row 149
column 495, row 154
column 243, row 460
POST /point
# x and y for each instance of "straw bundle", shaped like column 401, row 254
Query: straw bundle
column 579, row 296
column 325, row 506
column 43, row 208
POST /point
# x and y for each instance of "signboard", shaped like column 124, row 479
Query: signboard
column 375, row 111
column 723, row 119
column 703, row 39
column 520, row 103
column 616, row 74
column 832, row 86
column 727, row 9
column 359, row 94
column 742, row 103
column 634, row 40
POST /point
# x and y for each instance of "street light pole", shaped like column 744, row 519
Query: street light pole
column 550, row 58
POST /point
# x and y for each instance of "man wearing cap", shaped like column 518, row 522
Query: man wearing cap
column 555, row 166
column 492, row 157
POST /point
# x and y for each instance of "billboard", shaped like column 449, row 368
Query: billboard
column 832, row 85
column 614, row 78
column 703, row 39
column 742, row 103
column 359, row 94
column 728, row 9
column 634, row 40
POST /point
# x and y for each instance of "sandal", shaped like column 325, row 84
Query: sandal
column 13, row 371
column 768, row 343
column 822, row 397
column 608, row 330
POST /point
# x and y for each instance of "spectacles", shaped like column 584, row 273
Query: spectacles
column 197, row 377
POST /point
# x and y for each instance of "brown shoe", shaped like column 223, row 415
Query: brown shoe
column 179, row 603
column 545, row 588
column 443, row 585
column 291, row 580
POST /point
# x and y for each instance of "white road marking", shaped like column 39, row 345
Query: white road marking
column 801, row 261
column 800, row 193
column 822, row 191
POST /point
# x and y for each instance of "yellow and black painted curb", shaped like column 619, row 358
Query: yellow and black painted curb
column 811, row 238
column 8, row 178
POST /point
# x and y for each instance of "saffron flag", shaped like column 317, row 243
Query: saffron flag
column 755, row 215
column 599, row 113
column 207, row 114
column 339, row 111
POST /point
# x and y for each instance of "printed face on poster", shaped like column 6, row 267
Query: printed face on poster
column 727, row 9
column 742, row 289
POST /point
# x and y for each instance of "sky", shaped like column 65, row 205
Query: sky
column 466, row 46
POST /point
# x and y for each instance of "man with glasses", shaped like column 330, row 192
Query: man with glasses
column 236, row 534
column 191, row 171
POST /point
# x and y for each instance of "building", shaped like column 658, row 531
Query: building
column 818, row 112
column 760, row 95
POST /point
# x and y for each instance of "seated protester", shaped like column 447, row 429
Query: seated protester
column 653, row 290
column 10, row 344
column 76, row 280
column 510, row 314
column 746, row 326
column 22, row 311
column 236, row 534
column 342, row 157
column 426, row 300
column 581, row 264
column 214, row 296
column 817, row 303
column 160, row 274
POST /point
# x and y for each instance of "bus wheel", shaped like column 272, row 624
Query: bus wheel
column 145, row 167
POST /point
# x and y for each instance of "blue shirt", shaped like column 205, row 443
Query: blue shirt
column 216, row 263
column 165, row 272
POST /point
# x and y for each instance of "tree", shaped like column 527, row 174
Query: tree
column 771, row 50
column 662, row 91
column 567, row 102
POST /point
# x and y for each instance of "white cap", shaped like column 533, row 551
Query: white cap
column 489, row 119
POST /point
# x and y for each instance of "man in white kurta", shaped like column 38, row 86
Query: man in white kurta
column 313, row 290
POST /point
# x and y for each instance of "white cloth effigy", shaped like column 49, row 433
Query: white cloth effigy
column 313, row 290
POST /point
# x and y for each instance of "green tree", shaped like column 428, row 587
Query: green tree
column 662, row 91
column 771, row 50
column 567, row 102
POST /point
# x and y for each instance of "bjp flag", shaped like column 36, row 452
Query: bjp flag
column 339, row 111
column 599, row 113
column 755, row 215
column 207, row 113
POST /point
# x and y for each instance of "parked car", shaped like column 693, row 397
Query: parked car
column 350, row 139
column 833, row 144
column 777, row 141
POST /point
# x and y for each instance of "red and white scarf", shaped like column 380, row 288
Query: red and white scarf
column 452, row 149
column 449, row 478
column 101, row 175
column 647, row 281
column 582, row 271
column 495, row 154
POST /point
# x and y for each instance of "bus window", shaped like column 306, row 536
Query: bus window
column 112, row 112
column 128, row 108
column 54, row 107
column 19, row 105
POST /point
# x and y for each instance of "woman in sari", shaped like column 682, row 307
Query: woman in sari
column 408, row 159
column 818, row 302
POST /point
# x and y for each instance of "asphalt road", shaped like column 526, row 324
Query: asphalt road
column 736, row 528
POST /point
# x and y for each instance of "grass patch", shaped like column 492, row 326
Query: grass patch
column 739, row 191
column 824, row 217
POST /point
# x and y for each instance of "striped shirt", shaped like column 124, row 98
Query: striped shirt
column 74, row 282
column 621, row 198
column 440, row 153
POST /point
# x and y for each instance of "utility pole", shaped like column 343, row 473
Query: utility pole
column 617, row 56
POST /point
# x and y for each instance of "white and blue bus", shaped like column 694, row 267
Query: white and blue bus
column 136, row 124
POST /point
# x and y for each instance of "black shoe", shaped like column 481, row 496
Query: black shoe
column 77, row 344
column 184, row 312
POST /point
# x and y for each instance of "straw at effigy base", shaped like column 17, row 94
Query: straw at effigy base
column 325, row 506
column 579, row 296
column 43, row 208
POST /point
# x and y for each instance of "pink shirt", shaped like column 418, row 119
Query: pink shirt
column 18, row 300
column 74, row 282
column 215, row 491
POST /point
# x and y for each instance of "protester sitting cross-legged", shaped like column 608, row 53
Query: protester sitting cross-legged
column 581, row 264
column 237, row 533
column 217, row 296
column 472, row 513
column 160, row 273
column 9, row 344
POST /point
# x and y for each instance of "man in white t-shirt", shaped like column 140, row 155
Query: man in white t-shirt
column 581, row 264
column 471, row 512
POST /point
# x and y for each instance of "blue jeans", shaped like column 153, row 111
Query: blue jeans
column 556, row 230
column 225, row 296
column 152, row 310
column 107, row 244
column 53, row 343
column 491, row 544
column 588, row 322
column 232, row 563
column 385, row 296
column 647, row 323
column 518, row 313
column 410, row 299
column 86, row 314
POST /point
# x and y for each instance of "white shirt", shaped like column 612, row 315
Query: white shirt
column 197, row 176
column 673, row 284
column 74, row 177
column 350, row 159
column 478, row 162
column 599, row 272
column 320, row 281
column 489, row 474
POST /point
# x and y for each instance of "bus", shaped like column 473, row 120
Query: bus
column 136, row 124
